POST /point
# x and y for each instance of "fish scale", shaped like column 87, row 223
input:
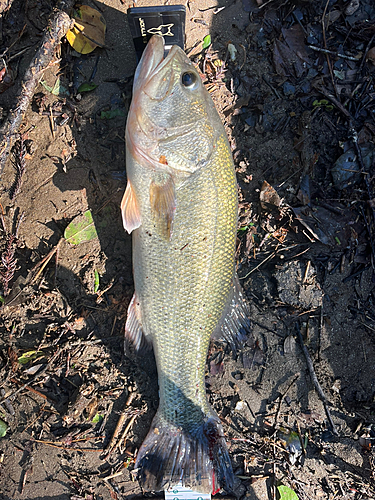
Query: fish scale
column 189, row 287
column 181, row 206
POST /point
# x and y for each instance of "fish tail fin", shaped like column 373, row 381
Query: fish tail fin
column 169, row 455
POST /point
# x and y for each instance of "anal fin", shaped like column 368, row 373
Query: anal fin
column 133, row 328
column 131, row 215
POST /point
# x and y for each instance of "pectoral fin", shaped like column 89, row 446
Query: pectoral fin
column 131, row 216
column 163, row 203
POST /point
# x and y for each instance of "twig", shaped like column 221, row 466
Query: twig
column 244, row 55
column 35, row 419
column 262, row 6
column 124, row 415
column 80, row 29
column 215, row 7
column 68, row 448
column 52, row 122
column 281, row 397
column 119, row 425
column 57, row 28
column 354, row 135
column 38, row 393
column 43, row 263
column 112, row 476
column 335, row 101
column 315, row 381
column 8, row 405
column 17, row 54
column 271, row 87
column 35, row 378
column 332, row 53
column 365, row 52
column 23, row 480
column 260, row 264
column 325, row 46
column 306, row 271
column 365, row 176
column 9, row 263
column 360, row 271
column 127, row 428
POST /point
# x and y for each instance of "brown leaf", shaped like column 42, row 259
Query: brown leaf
column 268, row 195
column 216, row 368
column 281, row 54
column 295, row 39
column 291, row 58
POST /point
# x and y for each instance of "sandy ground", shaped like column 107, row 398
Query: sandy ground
column 63, row 416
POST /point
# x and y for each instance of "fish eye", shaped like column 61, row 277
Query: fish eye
column 189, row 79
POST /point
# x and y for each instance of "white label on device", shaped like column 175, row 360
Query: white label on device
column 179, row 492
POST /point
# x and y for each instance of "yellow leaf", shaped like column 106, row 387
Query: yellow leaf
column 88, row 31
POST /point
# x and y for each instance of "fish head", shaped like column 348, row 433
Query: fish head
column 172, row 124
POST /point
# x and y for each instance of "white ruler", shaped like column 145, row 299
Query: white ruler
column 179, row 492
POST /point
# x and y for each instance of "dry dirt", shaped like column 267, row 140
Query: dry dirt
column 318, row 277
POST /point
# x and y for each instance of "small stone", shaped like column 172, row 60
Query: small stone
column 240, row 406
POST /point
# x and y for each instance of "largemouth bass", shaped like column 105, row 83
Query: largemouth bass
column 181, row 205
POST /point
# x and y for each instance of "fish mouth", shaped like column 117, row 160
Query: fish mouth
column 141, row 134
column 154, row 79
column 152, row 62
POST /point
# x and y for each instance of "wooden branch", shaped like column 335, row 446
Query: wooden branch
column 315, row 381
column 56, row 29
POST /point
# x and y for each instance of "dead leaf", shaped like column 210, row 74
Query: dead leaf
column 88, row 31
column 311, row 224
column 370, row 56
column 268, row 196
column 331, row 17
column 295, row 39
column 291, row 58
column 216, row 368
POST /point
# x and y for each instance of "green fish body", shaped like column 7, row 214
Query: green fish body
column 181, row 206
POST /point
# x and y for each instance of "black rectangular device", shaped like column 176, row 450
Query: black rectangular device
column 165, row 20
